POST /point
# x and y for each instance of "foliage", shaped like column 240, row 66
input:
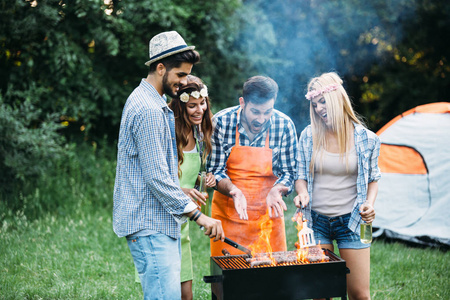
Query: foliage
column 29, row 141
column 77, row 61
column 82, row 177
column 391, row 54
column 416, row 71
column 90, row 55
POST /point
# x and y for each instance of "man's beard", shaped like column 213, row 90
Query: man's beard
column 249, row 125
column 166, row 87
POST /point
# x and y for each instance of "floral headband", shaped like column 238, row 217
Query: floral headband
column 195, row 94
column 326, row 89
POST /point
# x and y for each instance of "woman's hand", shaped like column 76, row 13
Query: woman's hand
column 301, row 200
column 367, row 212
column 195, row 195
column 210, row 180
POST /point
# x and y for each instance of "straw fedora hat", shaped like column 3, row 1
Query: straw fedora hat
column 166, row 44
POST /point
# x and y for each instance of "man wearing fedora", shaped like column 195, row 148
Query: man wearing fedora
column 149, row 205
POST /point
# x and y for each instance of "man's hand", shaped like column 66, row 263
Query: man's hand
column 367, row 212
column 195, row 195
column 240, row 203
column 213, row 228
column 275, row 200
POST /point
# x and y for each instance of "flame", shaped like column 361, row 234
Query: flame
column 261, row 249
column 303, row 253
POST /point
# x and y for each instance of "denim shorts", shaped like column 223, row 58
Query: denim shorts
column 157, row 260
column 326, row 229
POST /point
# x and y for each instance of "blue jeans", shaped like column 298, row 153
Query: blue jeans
column 157, row 259
column 326, row 229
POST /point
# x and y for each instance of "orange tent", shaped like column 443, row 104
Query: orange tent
column 413, row 196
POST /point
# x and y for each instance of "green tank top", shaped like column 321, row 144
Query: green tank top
column 190, row 168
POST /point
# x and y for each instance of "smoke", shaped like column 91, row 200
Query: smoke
column 293, row 41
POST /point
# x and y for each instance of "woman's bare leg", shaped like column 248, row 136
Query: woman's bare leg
column 358, row 281
column 186, row 290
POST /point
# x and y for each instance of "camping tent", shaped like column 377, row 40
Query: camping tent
column 413, row 201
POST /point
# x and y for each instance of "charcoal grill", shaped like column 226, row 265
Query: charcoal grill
column 232, row 277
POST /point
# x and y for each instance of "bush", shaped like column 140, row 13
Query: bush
column 81, row 180
column 29, row 140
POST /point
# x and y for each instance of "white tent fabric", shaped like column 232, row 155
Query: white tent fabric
column 416, row 207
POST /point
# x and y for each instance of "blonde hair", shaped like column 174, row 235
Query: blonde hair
column 339, row 112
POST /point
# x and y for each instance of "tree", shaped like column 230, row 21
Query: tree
column 378, row 47
column 72, row 64
column 415, row 71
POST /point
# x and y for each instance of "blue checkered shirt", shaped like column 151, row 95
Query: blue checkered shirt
column 282, row 141
column 146, row 191
column 367, row 146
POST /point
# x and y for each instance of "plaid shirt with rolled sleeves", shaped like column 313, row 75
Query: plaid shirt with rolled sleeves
column 147, row 195
column 282, row 141
column 367, row 146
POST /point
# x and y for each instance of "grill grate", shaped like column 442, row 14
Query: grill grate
column 233, row 262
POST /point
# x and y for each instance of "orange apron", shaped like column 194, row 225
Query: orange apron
column 250, row 170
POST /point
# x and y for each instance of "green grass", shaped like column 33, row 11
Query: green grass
column 72, row 252
column 72, row 257
column 79, row 257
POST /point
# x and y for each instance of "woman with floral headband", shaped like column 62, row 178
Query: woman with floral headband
column 193, row 129
column 338, row 174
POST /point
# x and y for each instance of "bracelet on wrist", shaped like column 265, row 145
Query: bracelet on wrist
column 194, row 215
column 198, row 216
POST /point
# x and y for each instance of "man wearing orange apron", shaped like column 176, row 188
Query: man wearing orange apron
column 253, row 160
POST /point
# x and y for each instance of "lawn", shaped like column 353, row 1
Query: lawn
column 79, row 257
column 64, row 247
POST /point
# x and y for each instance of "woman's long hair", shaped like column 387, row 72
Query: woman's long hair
column 182, row 125
column 339, row 112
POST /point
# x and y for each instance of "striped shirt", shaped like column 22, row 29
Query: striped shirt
column 367, row 146
column 147, row 196
column 282, row 141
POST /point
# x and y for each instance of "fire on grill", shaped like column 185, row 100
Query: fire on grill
column 307, row 273
column 242, row 277
column 306, row 256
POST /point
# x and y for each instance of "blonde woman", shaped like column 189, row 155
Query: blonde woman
column 338, row 174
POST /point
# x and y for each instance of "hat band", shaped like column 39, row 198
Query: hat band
column 168, row 51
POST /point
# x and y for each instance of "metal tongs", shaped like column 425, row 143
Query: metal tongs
column 306, row 235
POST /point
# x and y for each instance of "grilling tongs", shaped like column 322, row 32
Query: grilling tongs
column 306, row 235
column 238, row 246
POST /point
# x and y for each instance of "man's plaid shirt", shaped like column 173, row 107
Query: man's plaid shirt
column 282, row 141
column 147, row 195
